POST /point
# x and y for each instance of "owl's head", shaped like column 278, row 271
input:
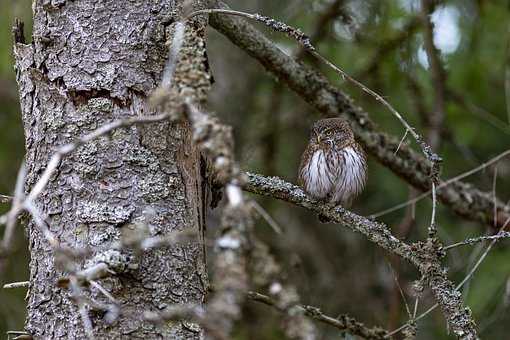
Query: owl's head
column 332, row 132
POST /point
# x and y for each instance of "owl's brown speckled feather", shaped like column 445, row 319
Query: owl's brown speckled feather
column 333, row 166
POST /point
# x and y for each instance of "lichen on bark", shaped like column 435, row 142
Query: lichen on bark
column 92, row 62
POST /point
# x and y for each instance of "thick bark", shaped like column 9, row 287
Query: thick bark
column 92, row 62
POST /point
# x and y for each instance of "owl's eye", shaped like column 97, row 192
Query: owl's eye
column 329, row 133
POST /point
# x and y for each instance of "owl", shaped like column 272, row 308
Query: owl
column 333, row 166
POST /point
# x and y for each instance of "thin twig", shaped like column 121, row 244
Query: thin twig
column 12, row 215
column 270, row 221
column 5, row 198
column 20, row 202
column 40, row 222
column 401, row 141
column 442, row 185
column 473, row 240
column 103, row 291
column 397, row 283
column 77, row 293
column 21, row 284
column 175, row 48
column 495, row 198
column 432, row 227
column 415, row 310
column 484, row 255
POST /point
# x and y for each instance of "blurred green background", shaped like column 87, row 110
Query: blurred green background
column 334, row 269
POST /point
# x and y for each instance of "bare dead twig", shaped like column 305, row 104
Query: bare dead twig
column 265, row 215
column 12, row 215
column 494, row 180
column 402, row 295
column 175, row 48
column 22, row 284
column 444, row 184
column 20, row 203
column 473, row 240
column 76, row 294
column 5, row 198
column 26, row 203
column 465, row 103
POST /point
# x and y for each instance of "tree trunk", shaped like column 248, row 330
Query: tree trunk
column 92, row 62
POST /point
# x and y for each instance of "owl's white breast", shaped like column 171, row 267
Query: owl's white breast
column 318, row 179
column 338, row 175
column 351, row 176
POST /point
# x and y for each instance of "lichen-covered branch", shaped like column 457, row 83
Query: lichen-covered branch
column 342, row 322
column 473, row 240
column 316, row 90
column 376, row 232
column 424, row 256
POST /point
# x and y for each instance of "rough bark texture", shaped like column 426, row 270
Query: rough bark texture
column 92, row 62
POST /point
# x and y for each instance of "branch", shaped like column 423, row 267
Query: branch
column 466, row 278
column 22, row 284
column 315, row 89
column 376, row 232
column 436, row 118
column 422, row 255
column 473, row 240
column 5, row 198
column 450, row 182
column 342, row 322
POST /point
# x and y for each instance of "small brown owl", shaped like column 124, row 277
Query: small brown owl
column 333, row 167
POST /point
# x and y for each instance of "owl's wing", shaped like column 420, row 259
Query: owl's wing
column 305, row 160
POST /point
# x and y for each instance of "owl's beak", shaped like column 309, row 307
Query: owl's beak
column 318, row 139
